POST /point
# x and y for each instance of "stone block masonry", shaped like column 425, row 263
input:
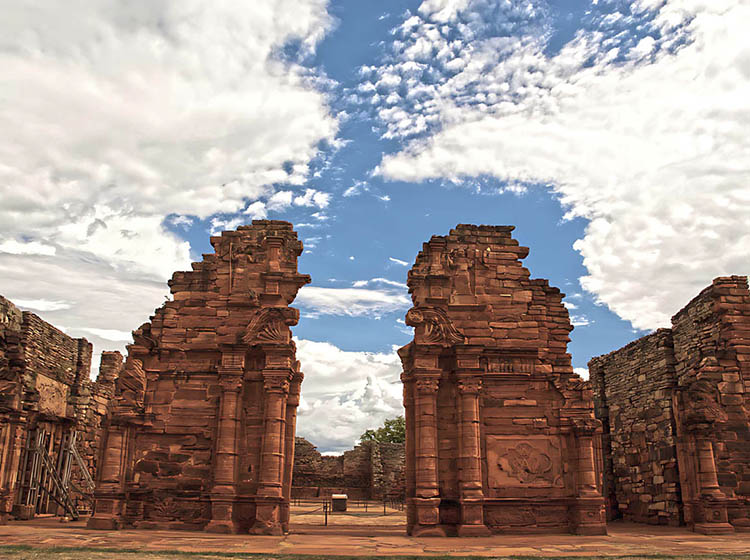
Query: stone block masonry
column 371, row 471
column 201, row 433
column 45, row 388
column 675, row 406
column 501, row 433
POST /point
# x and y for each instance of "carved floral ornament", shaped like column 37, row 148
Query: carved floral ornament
column 271, row 324
column 527, row 463
column 433, row 326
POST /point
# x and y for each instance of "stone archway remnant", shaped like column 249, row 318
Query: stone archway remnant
column 201, row 433
column 501, row 432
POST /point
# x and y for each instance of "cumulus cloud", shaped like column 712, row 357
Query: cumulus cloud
column 352, row 302
column 345, row 393
column 643, row 137
column 121, row 118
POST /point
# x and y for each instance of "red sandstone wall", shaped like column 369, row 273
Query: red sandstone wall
column 370, row 471
column 712, row 344
column 499, row 428
column 44, row 383
column 201, row 435
column 685, row 389
column 633, row 391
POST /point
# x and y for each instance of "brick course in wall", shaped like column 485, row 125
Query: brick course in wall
column 45, row 384
column 370, row 471
column 690, row 386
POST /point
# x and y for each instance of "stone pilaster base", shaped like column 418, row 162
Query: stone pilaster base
column 222, row 512
column 472, row 520
column 589, row 517
column 107, row 513
column 427, row 514
column 267, row 517
column 711, row 517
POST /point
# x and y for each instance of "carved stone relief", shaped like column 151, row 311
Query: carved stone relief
column 532, row 461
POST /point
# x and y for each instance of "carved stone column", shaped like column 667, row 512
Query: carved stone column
column 291, row 424
column 12, row 446
column 589, row 517
column 270, row 497
column 470, row 460
column 224, row 491
column 711, row 516
column 427, row 500
column 109, row 497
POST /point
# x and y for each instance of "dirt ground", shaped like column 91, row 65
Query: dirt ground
column 382, row 536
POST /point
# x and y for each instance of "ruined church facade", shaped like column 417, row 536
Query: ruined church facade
column 500, row 431
column 201, row 432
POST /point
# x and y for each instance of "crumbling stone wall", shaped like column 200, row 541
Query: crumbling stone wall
column 700, row 376
column 45, row 385
column 370, row 471
column 500, row 430
column 201, row 435
column 633, row 388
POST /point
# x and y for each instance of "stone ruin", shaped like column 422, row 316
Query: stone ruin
column 201, row 433
column 501, row 433
column 676, row 412
column 196, row 429
column 371, row 471
column 48, row 406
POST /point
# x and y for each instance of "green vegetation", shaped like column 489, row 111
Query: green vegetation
column 392, row 431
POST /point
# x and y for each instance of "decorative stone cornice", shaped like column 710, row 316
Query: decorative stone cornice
column 427, row 384
column 469, row 385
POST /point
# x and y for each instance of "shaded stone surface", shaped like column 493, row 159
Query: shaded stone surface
column 45, row 385
column 370, row 471
column 675, row 407
column 201, row 434
column 500, row 430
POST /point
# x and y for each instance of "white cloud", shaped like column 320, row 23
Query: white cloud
column 353, row 302
column 650, row 147
column 26, row 248
column 357, row 188
column 345, row 393
column 398, row 261
column 119, row 118
column 41, row 305
column 363, row 283
column 582, row 371
column 256, row 210
column 111, row 334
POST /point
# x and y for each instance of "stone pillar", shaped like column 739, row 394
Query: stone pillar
column 109, row 505
column 470, row 460
column 427, row 500
column 12, row 442
column 291, row 424
column 711, row 510
column 270, row 496
column 224, row 490
column 589, row 516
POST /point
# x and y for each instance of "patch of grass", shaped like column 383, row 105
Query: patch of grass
column 26, row 552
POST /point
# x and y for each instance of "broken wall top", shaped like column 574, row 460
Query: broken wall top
column 251, row 268
column 476, row 292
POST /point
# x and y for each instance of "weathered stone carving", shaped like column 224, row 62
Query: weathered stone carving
column 492, row 403
column 527, row 463
column 202, row 433
column 682, row 394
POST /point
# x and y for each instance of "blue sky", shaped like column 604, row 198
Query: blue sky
column 611, row 134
